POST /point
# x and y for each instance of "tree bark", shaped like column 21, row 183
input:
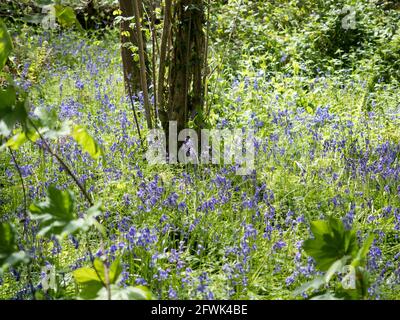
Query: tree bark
column 142, row 59
column 186, row 87
column 130, row 39
column 131, row 67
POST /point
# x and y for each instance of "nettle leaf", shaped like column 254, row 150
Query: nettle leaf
column 9, row 254
column 56, row 214
column 331, row 243
column 86, row 141
column 6, row 45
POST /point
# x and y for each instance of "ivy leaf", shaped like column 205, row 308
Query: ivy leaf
column 6, row 45
column 331, row 243
column 86, row 141
column 9, row 254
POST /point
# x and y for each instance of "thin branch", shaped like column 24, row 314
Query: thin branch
column 63, row 164
column 143, row 76
column 163, row 51
column 23, row 185
column 205, row 83
column 154, row 47
column 133, row 108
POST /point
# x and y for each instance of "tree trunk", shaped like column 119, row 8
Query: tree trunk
column 129, row 40
column 186, row 87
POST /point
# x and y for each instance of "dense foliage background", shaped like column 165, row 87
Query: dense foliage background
column 324, row 101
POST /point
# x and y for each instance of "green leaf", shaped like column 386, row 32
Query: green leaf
column 66, row 17
column 331, row 243
column 8, row 98
column 336, row 267
column 115, row 271
column 92, row 280
column 11, row 111
column 99, row 267
column 7, row 240
column 326, row 296
column 6, row 45
column 50, row 126
column 85, row 275
column 128, row 293
column 48, row 118
column 83, row 224
column 85, row 140
column 56, row 214
column 314, row 284
column 319, row 228
column 89, row 282
column 362, row 253
column 17, row 141
column 9, row 256
column 16, row 258
column 20, row 138
column 139, row 293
